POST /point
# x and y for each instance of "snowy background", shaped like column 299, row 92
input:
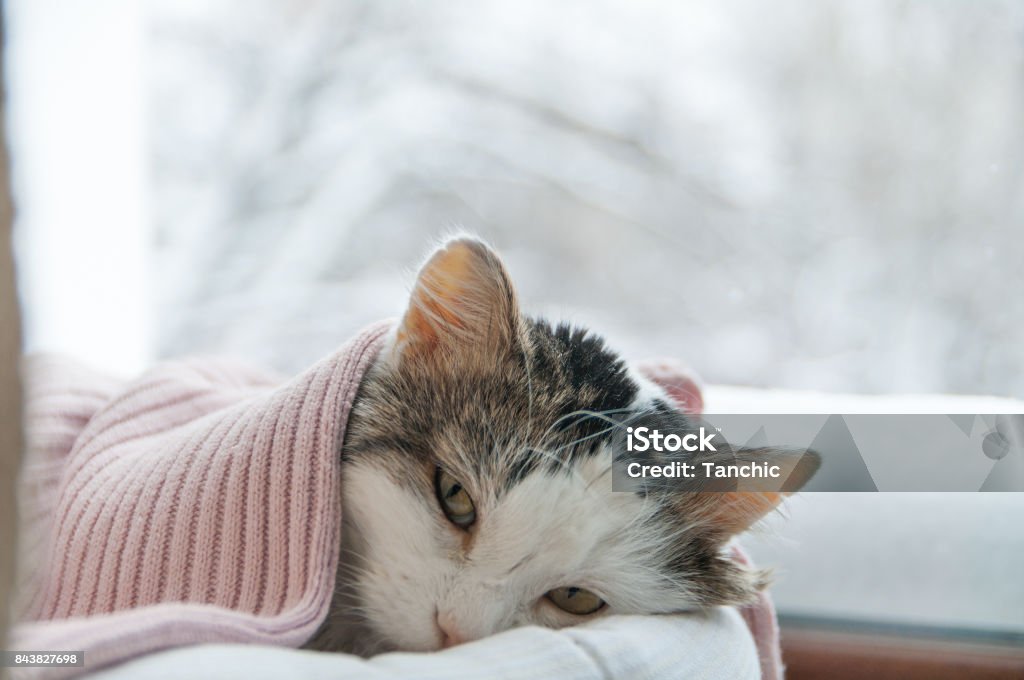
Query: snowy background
column 800, row 194
column 824, row 195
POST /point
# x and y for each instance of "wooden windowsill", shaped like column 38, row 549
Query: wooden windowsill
column 820, row 652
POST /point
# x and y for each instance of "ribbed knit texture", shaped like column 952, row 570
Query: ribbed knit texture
column 197, row 503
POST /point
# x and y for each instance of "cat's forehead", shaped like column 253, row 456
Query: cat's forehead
column 553, row 403
column 564, row 400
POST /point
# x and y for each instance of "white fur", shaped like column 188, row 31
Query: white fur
column 548, row 531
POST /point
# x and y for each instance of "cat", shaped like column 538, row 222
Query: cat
column 476, row 489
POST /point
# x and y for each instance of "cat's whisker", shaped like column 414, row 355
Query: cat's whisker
column 564, row 462
column 559, row 463
column 601, row 415
column 585, row 413
column 616, row 424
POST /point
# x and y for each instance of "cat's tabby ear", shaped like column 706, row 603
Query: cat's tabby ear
column 732, row 512
column 463, row 302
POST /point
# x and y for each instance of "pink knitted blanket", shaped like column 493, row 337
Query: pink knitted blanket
column 198, row 503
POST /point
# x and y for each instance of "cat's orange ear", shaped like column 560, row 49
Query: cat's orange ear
column 733, row 512
column 463, row 300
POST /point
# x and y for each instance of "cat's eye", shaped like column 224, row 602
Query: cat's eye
column 578, row 601
column 454, row 499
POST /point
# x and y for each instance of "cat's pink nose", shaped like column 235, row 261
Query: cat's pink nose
column 450, row 635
